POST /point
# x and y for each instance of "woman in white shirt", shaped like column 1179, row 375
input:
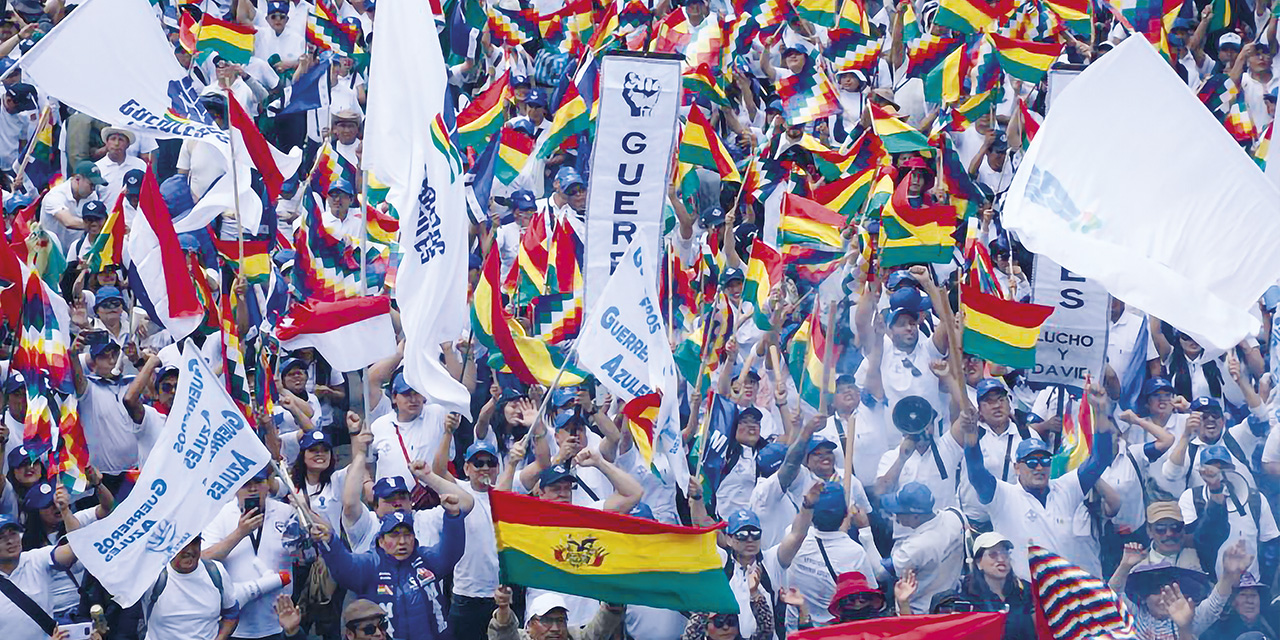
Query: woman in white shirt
column 313, row 475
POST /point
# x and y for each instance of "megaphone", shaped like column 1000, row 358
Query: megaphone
column 913, row 415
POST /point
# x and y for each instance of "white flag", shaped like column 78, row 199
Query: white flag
column 110, row 59
column 407, row 88
column 624, row 344
column 204, row 454
column 1132, row 183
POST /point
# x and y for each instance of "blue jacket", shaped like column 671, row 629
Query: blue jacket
column 412, row 590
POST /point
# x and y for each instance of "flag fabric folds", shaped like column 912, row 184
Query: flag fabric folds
column 350, row 334
column 910, row 235
column 1075, row 604
column 610, row 557
column 896, row 135
column 700, row 145
column 1026, row 61
column 1002, row 331
column 158, row 272
column 232, row 41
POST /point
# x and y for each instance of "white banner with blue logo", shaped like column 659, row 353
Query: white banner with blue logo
column 630, row 162
column 204, row 454
column 1133, row 184
column 110, row 59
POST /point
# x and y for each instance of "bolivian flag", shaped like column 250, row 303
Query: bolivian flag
column 608, row 557
column 910, row 235
column 946, row 83
column 701, row 81
column 482, row 118
column 256, row 260
column 232, row 41
column 108, row 248
column 896, row 135
column 700, row 145
column 531, row 360
column 514, row 148
column 1076, row 14
column 1025, row 60
column 1002, row 331
column 808, row 348
column 972, row 16
column 642, row 415
column 847, row 194
column 764, row 270
column 805, row 221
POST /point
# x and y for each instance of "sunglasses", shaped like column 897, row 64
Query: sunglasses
column 111, row 304
column 1166, row 529
column 747, row 535
column 168, row 387
column 484, row 461
column 858, row 599
column 724, row 620
column 369, row 628
column 553, row 620
column 1037, row 463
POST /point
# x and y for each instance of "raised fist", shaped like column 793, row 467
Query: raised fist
column 640, row 93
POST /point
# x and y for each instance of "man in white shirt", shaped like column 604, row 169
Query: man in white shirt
column 827, row 552
column 60, row 209
column 32, row 572
column 116, row 163
column 188, row 602
column 278, row 44
column 934, row 548
column 412, row 432
column 346, row 135
column 18, row 119
column 340, row 217
column 475, row 578
column 567, row 203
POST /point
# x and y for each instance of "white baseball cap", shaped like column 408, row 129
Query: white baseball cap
column 543, row 604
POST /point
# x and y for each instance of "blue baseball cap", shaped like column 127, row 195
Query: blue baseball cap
column 93, row 210
column 523, row 200
column 17, row 201
column 263, row 474
column 1156, row 384
column 769, row 460
column 642, row 510
column 478, row 447
column 536, row 98
column 899, row 279
column 568, row 177
column 912, row 498
column 774, row 105
column 563, row 395
column 277, row 6
column 388, row 486
column 165, row 371
column 817, row 442
column 1031, row 447
column 711, row 216
column 38, row 497
column 9, row 522
column 105, row 294
column 555, row 473
column 731, row 274
column 831, row 500
column 393, row 520
column 400, row 385
column 292, row 363
column 1217, row 453
column 519, row 81
column 751, row 373
column 313, row 438
column 741, row 519
column 1206, row 404
column 14, row 383
column 989, row 385
column 342, row 185
column 568, row 418
column 102, row 347
column 24, row 454
column 133, row 181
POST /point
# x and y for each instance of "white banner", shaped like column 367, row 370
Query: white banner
column 1132, row 183
column 110, row 59
column 624, row 344
column 1073, row 340
column 407, row 85
column 204, row 454
column 630, row 161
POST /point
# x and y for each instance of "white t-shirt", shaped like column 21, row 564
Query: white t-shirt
column 108, row 429
column 244, row 564
column 191, row 607
column 33, row 576
column 1020, row 517
column 935, row 550
column 1242, row 527
column 421, row 436
column 810, row 575
column 57, row 199
column 147, row 432
column 476, row 574
column 738, row 584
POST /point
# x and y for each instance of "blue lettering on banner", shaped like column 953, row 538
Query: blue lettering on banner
column 232, row 422
column 624, row 378
column 111, row 546
column 194, row 392
column 143, row 118
column 427, row 239
column 228, row 477
column 201, row 442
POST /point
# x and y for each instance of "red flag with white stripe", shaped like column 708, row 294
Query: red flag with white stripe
column 350, row 334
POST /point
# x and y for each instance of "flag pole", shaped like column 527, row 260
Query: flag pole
column 31, row 147
column 235, row 188
column 671, row 299
column 828, row 349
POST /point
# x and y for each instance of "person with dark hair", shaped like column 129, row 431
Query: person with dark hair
column 991, row 586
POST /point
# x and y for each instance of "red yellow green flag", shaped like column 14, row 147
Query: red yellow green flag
column 700, row 145
column 609, row 557
column 764, row 271
column 806, row 221
column 484, row 116
column 915, row 234
column 642, row 415
column 1025, row 60
column 1002, row 331
column 896, row 135
column 232, row 41
column 108, row 248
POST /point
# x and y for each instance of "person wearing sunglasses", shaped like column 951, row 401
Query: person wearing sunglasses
column 727, row 626
column 1038, row 508
column 1169, row 543
column 991, row 586
column 361, row 620
column 148, row 418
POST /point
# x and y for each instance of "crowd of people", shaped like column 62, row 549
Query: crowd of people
column 914, row 486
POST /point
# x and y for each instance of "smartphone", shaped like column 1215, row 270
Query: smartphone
column 95, row 337
column 78, row 631
column 251, row 503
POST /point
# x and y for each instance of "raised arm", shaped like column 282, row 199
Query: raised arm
column 357, row 471
column 790, row 543
column 626, row 490
column 1101, row 455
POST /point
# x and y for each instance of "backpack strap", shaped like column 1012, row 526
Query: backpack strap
column 1234, row 447
column 1192, row 450
column 826, row 559
column 214, row 575
column 28, row 606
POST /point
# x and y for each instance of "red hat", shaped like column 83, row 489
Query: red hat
column 848, row 584
column 916, row 162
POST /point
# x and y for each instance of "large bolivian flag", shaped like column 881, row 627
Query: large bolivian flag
column 613, row 558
